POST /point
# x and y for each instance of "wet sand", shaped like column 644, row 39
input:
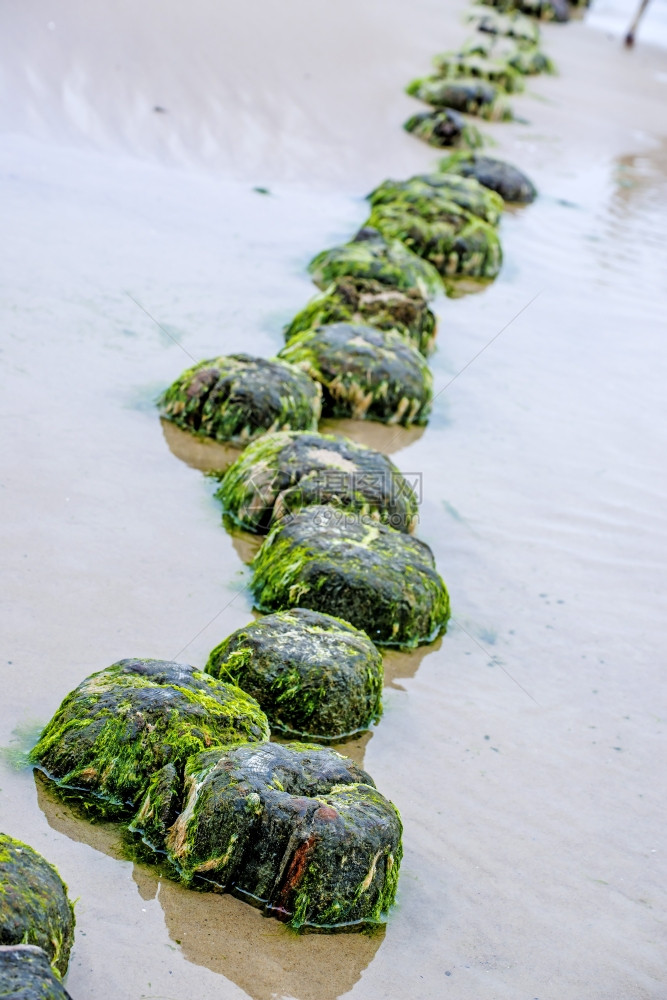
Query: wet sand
column 525, row 750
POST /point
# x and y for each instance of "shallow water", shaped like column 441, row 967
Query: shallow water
column 524, row 748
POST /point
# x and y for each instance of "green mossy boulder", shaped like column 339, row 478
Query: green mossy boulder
column 369, row 255
column 360, row 300
column 455, row 64
column 509, row 182
column 284, row 472
column 25, row 974
column 472, row 97
column 443, row 128
column 237, row 398
column 459, row 244
column 512, row 25
column 315, row 676
column 377, row 579
column 544, row 10
column 441, row 196
column 124, row 723
column 34, row 908
column 297, row 830
column 366, row 373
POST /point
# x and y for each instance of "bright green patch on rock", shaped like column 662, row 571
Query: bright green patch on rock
column 441, row 196
column 472, row 97
column 284, row 472
column 513, row 25
column 236, row 398
column 34, row 908
column 443, row 128
column 509, row 182
column 455, row 65
column 366, row 374
column 361, row 300
column 378, row 579
column 297, row 830
column 126, row 722
column 25, row 974
column 369, row 255
column 315, row 676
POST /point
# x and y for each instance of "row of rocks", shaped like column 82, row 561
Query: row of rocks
column 183, row 757
column 477, row 78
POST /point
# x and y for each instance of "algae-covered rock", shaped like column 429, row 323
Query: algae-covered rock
column 545, row 10
column 497, row 71
column 361, row 300
column 443, row 128
column 509, row 182
column 284, row 472
column 315, row 676
column 125, row 722
column 376, row 578
column 369, row 255
column 524, row 57
column 297, row 830
column 237, row 398
column 457, row 244
column 512, row 25
column 441, row 196
column 34, row 908
column 473, row 97
column 25, row 974
column 366, row 373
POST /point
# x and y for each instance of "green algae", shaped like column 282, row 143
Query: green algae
column 315, row 676
column 513, row 25
column 365, row 373
column 509, row 182
column 362, row 300
column 124, row 723
column 497, row 71
column 34, row 908
column 441, row 196
column 470, row 96
column 524, row 57
column 283, row 472
column 295, row 829
column 375, row 578
column 443, row 128
column 460, row 244
column 236, row 398
column 371, row 256
column 25, row 974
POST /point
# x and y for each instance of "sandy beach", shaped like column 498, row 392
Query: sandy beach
column 525, row 749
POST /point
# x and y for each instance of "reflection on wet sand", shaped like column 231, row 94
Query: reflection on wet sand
column 214, row 456
column 245, row 543
column 198, row 452
column 232, row 938
column 382, row 437
column 404, row 663
column 68, row 819
column 224, row 934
